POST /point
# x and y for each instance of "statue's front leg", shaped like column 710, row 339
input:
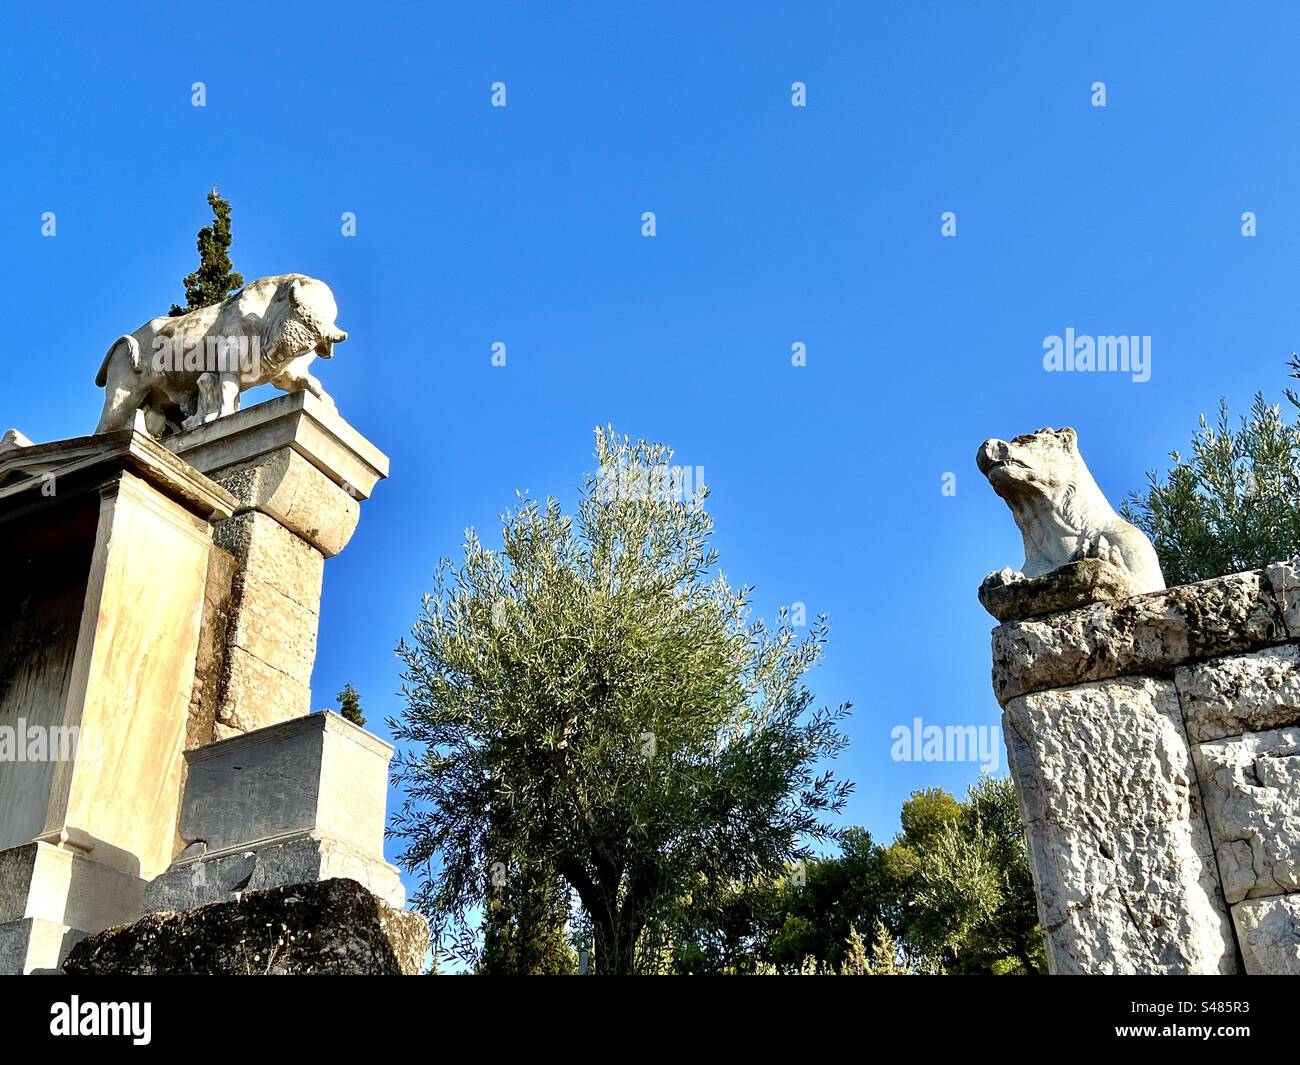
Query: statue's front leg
column 318, row 390
column 303, row 381
column 203, row 405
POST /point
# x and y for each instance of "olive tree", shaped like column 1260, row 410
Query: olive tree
column 595, row 699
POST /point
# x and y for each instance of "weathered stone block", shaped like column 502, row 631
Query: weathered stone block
column 273, row 628
column 1284, row 579
column 299, row 496
column 64, row 886
column 1076, row 584
column 268, row 551
column 1269, row 933
column 270, row 647
column 256, row 695
column 317, row 774
column 335, row 927
column 1121, row 856
column 1251, row 788
column 300, row 801
column 1147, row 635
column 1241, row 693
column 299, row 422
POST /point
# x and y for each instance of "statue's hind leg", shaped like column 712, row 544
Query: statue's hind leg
column 120, row 405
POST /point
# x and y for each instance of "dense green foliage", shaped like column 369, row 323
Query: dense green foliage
column 1232, row 504
column 952, row 894
column 964, row 886
column 215, row 279
column 593, row 700
column 525, row 925
column 350, row 705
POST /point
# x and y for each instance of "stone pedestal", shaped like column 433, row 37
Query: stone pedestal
column 1155, row 744
column 105, row 542
column 156, row 597
column 300, row 801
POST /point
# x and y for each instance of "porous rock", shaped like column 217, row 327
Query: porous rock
column 1251, row 789
column 1269, row 933
column 1145, row 635
column 1122, row 860
column 333, row 927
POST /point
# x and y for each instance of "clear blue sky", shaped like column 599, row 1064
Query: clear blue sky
column 775, row 225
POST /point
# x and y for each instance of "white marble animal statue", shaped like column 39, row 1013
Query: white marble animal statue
column 1061, row 512
column 191, row 369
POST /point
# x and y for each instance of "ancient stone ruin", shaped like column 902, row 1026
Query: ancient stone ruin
column 158, row 627
column 1154, row 735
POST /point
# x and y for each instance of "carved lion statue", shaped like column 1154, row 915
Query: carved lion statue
column 191, row 369
column 1061, row 512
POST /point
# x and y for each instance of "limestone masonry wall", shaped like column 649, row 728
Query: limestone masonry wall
column 1155, row 745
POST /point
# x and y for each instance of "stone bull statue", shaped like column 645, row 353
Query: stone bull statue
column 191, row 369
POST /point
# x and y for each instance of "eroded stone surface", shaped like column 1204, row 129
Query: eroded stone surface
column 273, row 627
column 1241, row 693
column 1122, row 860
column 257, row 695
column 209, row 663
column 274, row 555
column 1269, row 933
column 334, row 927
column 274, row 609
column 1251, row 788
column 1148, row 634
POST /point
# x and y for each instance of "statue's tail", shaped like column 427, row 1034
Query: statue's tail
column 101, row 378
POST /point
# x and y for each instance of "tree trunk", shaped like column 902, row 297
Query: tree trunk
column 615, row 946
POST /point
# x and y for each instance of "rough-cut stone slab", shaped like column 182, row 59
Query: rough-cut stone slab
column 1251, row 789
column 196, row 878
column 1242, row 693
column 256, row 695
column 1148, row 634
column 1269, row 933
column 273, row 628
column 1122, row 860
column 1076, row 584
column 334, row 927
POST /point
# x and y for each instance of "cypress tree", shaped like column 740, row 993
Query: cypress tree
column 215, row 279
column 350, row 705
